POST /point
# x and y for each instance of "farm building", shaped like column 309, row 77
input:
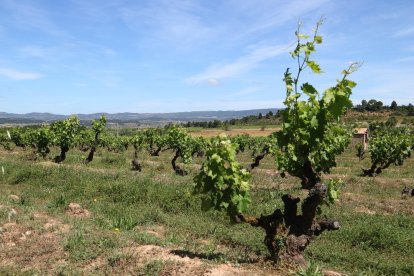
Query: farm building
column 361, row 136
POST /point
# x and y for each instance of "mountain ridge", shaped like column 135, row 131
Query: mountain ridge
column 131, row 117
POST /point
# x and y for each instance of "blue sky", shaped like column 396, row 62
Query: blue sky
column 79, row 56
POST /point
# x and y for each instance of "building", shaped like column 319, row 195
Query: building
column 361, row 136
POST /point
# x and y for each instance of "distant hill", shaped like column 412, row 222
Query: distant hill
column 134, row 118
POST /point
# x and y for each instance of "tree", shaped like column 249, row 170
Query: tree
column 374, row 105
column 394, row 105
column 269, row 115
column 410, row 110
column 364, row 104
column 311, row 137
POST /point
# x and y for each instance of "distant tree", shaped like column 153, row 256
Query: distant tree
column 269, row 115
column 394, row 105
column 374, row 105
column 364, row 104
column 410, row 110
column 216, row 123
column 260, row 116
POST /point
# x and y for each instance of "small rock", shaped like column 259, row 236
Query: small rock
column 74, row 207
column 14, row 198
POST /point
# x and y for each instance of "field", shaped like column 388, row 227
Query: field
column 103, row 218
column 255, row 132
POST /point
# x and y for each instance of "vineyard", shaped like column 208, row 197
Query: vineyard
column 139, row 190
column 301, row 199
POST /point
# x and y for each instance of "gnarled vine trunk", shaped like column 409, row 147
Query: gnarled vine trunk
column 178, row 170
column 155, row 152
column 287, row 233
column 60, row 158
column 90, row 155
column 136, row 165
column 257, row 159
column 375, row 169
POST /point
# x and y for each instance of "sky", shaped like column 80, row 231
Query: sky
column 77, row 56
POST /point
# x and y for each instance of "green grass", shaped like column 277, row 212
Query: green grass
column 124, row 203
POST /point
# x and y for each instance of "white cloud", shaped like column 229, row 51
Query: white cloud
column 266, row 15
column 404, row 32
column 19, row 75
column 36, row 51
column 213, row 82
column 241, row 65
column 406, row 59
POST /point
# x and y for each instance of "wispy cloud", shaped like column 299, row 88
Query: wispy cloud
column 267, row 15
column 19, row 75
column 404, row 32
column 33, row 51
column 406, row 59
column 31, row 17
column 241, row 65
column 176, row 22
column 213, row 82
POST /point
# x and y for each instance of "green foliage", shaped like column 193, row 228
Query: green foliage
column 5, row 140
column 19, row 137
column 242, row 141
column 312, row 269
column 312, row 134
column 259, row 145
column 199, row 145
column 178, row 140
column 332, row 194
column 388, row 146
column 154, row 139
column 64, row 132
column 115, row 143
column 138, row 141
column 40, row 140
column 360, row 151
column 123, row 222
column 223, row 179
column 98, row 126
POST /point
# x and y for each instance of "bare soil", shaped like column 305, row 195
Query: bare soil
column 233, row 132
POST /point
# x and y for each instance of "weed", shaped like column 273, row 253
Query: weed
column 312, row 269
column 153, row 268
column 58, row 202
